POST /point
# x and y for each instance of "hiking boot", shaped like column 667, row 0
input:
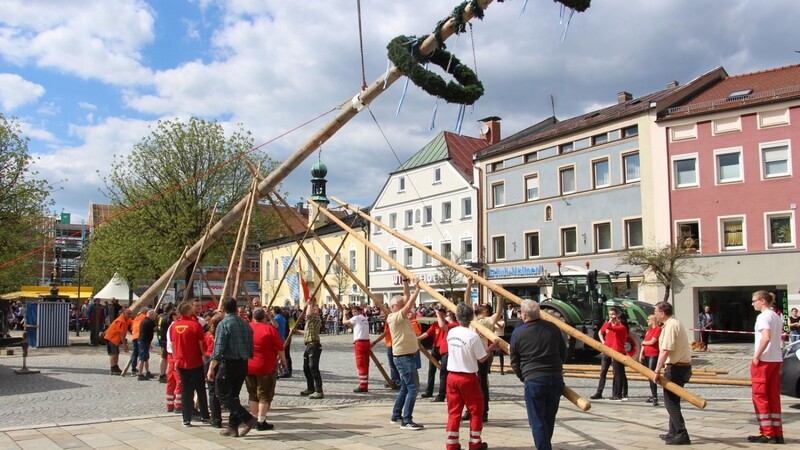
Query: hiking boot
column 247, row 426
column 596, row 397
column 776, row 440
column 758, row 438
column 230, row 432
column 316, row 396
column 307, row 392
column 264, row 426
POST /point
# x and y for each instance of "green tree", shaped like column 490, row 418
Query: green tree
column 24, row 203
column 168, row 186
column 666, row 264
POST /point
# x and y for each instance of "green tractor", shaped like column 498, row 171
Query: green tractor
column 582, row 298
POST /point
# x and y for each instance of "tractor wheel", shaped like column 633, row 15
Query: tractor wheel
column 633, row 345
column 568, row 340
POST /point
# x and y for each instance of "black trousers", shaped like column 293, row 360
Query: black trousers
column 191, row 382
column 605, row 363
column 288, row 353
column 679, row 375
column 214, row 407
column 442, row 374
column 311, row 366
column 228, row 384
column 650, row 362
column 483, row 379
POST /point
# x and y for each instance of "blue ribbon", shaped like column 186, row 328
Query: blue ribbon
column 386, row 78
column 460, row 118
column 524, row 7
column 402, row 98
column 433, row 117
column 566, row 27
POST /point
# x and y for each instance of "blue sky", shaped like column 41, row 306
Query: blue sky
column 86, row 78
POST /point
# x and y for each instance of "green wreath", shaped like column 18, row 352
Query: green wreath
column 404, row 53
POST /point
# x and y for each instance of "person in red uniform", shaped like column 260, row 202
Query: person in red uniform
column 765, row 371
column 261, row 375
column 356, row 319
column 439, row 332
column 649, row 353
column 613, row 334
column 188, row 348
column 465, row 351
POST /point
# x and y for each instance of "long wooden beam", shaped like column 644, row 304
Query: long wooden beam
column 587, row 340
column 199, row 255
column 347, row 112
column 572, row 396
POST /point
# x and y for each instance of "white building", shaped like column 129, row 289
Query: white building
column 431, row 199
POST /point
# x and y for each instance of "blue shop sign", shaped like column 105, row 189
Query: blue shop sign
column 516, row 271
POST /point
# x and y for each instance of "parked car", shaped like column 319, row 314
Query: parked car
column 790, row 372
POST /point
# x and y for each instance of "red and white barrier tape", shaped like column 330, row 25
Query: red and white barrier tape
column 729, row 331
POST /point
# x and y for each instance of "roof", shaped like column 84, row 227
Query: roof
column 552, row 128
column 447, row 146
column 755, row 88
column 330, row 228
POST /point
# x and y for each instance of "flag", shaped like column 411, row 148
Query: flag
column 292, row 279
column 306, row 294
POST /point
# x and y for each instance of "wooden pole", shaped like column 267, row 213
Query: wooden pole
column 164, row 292
column 347, row 112
column 356, row 279
column 199, row 255
column 485, row 331
column 624, row 359
column 210, row 291
column 232, row 261
column 243, row 246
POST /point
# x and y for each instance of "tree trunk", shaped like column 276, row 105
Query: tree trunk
column 667, row 290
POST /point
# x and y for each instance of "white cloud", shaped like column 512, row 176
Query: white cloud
column 16, row 91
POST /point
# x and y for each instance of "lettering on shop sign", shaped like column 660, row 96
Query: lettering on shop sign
column 516, row 271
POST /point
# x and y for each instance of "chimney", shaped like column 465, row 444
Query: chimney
column 623, row 97
column 490, row 129
column 673, row 84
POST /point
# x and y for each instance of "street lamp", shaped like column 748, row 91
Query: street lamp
column 78, row 322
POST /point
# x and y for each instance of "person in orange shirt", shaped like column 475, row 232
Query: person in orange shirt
column 115, row 335
column 135, row 324
column 393, row 373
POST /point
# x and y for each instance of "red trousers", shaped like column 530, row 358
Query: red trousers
column 362, row 348
column 766, row 379
column 464, row 389
column 173, row 385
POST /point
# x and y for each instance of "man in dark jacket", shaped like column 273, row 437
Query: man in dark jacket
column 538, row 352
column 146, row 332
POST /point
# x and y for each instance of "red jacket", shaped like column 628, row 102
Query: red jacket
column 187, row 343
column 266, row 345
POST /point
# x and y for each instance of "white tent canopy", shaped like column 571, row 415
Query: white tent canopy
column 116, row 288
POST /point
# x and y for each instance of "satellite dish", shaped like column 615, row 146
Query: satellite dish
column 484, row 128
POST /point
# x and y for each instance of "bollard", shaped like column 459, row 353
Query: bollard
column 25, row 370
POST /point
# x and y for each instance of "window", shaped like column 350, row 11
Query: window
column 428, row 215
column 729, row 165
column 685, row 170
column 466, row 207
column 352, row 260
column 530, row 157
column 401, row 184
column 408, row 258
column 254, row 265
column 377, row 228
column 409, row 218
column 773, row 118
column 689, row 235
column 600, row 139
column 633, row 233
column 565, row 148
column 446, row 250
column 498, row 248
column 327, row 261
column 466, row 250
column 569, row 241
column 393, row 254
column 566, row 177
column 494, row 167
column 266, row 271
column 447, row 212
column 275, row 270
column 498, row 194
column 426, row 258
column 631, row 166
column 548, row 213
column 602, row 237
column 600, row 173
column 630, row 131
column 378, row 261
column 531, row 187
column 437, row 175
column 780, row 230
column 532, row 245
column 393, row 221
column 775, row 160
column 732, row 233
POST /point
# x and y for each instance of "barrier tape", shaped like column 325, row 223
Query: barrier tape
column 728, row 331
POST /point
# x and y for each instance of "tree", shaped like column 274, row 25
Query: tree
column 168, row 185
column 668, row 263
column 450, row 277
column 24, row 203
column 341, row 279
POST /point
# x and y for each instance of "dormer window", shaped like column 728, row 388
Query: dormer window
column 739, row 95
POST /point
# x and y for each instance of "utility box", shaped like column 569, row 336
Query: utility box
column 47, row 323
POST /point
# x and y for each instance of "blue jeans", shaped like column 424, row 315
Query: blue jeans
column 542, row 395
column 409, row 386
column 395, row 376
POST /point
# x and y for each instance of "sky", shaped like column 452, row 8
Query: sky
column 86, row 79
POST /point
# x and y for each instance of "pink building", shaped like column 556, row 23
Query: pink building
column 734, row 186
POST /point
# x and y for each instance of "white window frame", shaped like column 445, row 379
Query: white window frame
column 717, row 171
column 593, row 164
column 378, row 261
column 377, row 228
column 674, row 163
column 464, row 202
column 561, row 170
column 353, row 260
column 721, row 221
column 718, row 126
column 770, row 145
column 427, row 215
column 562, row 241
column 437, row 175
column 408, row 256
column 393, row 221
column 392, row 252
column 463, row 253
column 624, row 167
column 447, row 212
column 441, row 249
column 427, row 260
column 408, row 216
column 596, row 238
column 768, row 229
column 528, row 254
column 778, row 120
column 679, row 223
column 685, row 132
column 493, row 193
column 496, row 248
column 401, row 184
column 531, row 176
column 625, row 223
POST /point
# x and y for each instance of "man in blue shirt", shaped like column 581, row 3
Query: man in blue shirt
column 283, row 332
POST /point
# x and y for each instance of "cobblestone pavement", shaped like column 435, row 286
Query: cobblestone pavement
column 74, row 403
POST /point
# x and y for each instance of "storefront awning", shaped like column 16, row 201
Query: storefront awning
column 515, row 281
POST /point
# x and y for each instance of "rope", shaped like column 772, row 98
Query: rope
column 170, row 189
column 361, row 44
